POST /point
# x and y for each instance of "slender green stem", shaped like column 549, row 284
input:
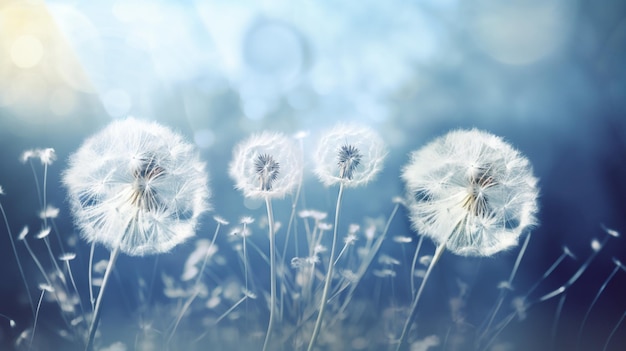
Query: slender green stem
column 329, row 274
column 96, row 313
column 270, row 324
column 19, row 263
column 409, row 321
column 32, row 336
column 196, row 286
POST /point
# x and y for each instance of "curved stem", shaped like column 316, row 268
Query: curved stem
column 270, row 324
column 329, row 274
column 17, row 258
column 96, row 313
column 409, row 320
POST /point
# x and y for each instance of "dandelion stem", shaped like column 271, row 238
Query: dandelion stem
column 91, row 252
column 329, row 273
column 407, row 325
column 80, row 301
column 557, row 317
column 196, row 286
column 270, row 324
column 595, row 299
column 17, row 258
column 228, row 311
column 96, row 313
column 608, row 340
column 414, row 263
column 367, row 261
column 503, row 291
column 32, row 336
column 576, row 275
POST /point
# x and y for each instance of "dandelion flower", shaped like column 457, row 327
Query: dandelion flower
column 349, row 154
column 138, row 186
column 266, row 164
column 472, row 191
column 135, row 187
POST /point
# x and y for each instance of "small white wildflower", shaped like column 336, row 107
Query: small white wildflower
column 43, row 233
column 23, row 233
column 46, row 287
column 246, row 220
column 595, row 245
column 49, row 212
column 68, row 256
column 370, row 232
column 505, row 285
column 349, row 154
column 402, row 239
column 47, row 156
column 353, row 228
column 220, row 220
column 319, row 249
column 350, row 239
column 388, row 260
column 568, row 252
column 425, row 344
column 425, row 260
column 325, row 226
column 384, row 273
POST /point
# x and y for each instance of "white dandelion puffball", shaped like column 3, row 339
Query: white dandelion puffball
column 266, row 165
column 471, row 191
column 349, row 154
column 138, row 186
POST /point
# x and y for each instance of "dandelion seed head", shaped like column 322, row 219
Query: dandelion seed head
column 68, row 256
column 388, row 260
column 568, row 252
column 619, row 264
column 23, row 233
column 246, row 220
column 43, row 233
column 49, row 212
column 596, row 245
column 324, row 226
column 349, row 154
column 220, row 220
column 472, row 191
column 46, row 287
column 350, row 239
column 138, row 186
column 402, row 239
column 266, row 164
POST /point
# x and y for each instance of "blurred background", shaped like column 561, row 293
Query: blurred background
column 547, row 75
